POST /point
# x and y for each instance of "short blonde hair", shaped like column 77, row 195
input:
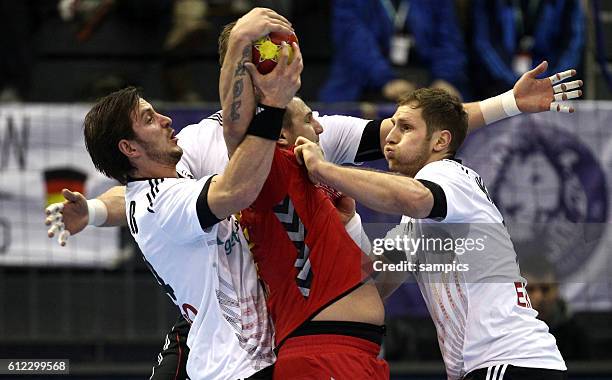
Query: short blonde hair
column 224, row 40
column 440, row 111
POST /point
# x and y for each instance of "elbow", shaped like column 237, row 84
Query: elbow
column 249, row 196
column 417, row 203
column 232, row 138
column 244, row 196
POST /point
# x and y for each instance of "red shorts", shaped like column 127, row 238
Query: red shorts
column 329, row 356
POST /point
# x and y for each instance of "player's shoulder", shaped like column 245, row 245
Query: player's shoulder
column 451, row 168
column 137, row 186
column 155, row 188
column 342, row 120
column 203, row 145
column 341, row 137
column 163, row 199
column 210, row 124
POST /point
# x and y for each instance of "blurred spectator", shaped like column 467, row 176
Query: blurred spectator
column 381, row 44
column 240, row 7
column 182, row 22
column 187, row 31
column 14, row 35
column 19, row 20
column 543, row 290
column 511, row 37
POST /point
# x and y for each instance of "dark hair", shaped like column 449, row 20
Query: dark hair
column 224, row 40
column 108, row 122
column 440, row 110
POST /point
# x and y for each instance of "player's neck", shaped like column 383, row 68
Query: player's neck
column 156, row 171
column 437, row 156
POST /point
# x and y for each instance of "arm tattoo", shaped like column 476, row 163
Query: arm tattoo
column 234, row 112
column 238, row 84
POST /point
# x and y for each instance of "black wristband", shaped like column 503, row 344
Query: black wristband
column 267, row 122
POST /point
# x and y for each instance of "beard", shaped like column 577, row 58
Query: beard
column 410, row 163
column 166, row 158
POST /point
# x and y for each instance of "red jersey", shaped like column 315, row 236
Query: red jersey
column 302, row 250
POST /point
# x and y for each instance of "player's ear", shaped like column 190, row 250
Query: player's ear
column 442, row 140
column 128, row 148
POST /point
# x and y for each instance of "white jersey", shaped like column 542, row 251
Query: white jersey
column 205, row 152
column 196, row 280
column 341, row 137
column 481, row 310
column 209, row 274
column 204, row 149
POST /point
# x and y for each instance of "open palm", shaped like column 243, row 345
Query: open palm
column 536, row 95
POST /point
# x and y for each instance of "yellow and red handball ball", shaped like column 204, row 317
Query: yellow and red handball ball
column 266, row 50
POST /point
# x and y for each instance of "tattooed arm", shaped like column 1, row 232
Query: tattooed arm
column 235, row 86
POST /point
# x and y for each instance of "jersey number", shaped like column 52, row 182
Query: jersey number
column 132, row 219
column 522, row 298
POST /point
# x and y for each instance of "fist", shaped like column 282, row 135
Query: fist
column 266, row 50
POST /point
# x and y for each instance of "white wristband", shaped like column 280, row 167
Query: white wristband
column 499, row 107
column 97, row 212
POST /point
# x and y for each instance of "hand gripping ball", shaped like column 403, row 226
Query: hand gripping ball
column 266, row 50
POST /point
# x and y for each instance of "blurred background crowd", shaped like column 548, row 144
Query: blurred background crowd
column 360, row 53
column 355, row 50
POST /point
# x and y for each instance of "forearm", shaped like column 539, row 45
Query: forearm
column 244, row 176
column 383, row 192
column 236, row 91
column 475, row 117
column 114, row 200
column 388, row 281
column 475, row 120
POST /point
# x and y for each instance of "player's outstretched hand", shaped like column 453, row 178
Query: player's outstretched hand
column 259, row 22
column 67, row 218
column 278, row 87
column 538, row 95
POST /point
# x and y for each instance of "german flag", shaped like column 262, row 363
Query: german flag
column 63, row 178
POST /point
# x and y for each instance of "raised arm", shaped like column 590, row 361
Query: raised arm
column 235, row 85
column 250, row 163
column 529, row 95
